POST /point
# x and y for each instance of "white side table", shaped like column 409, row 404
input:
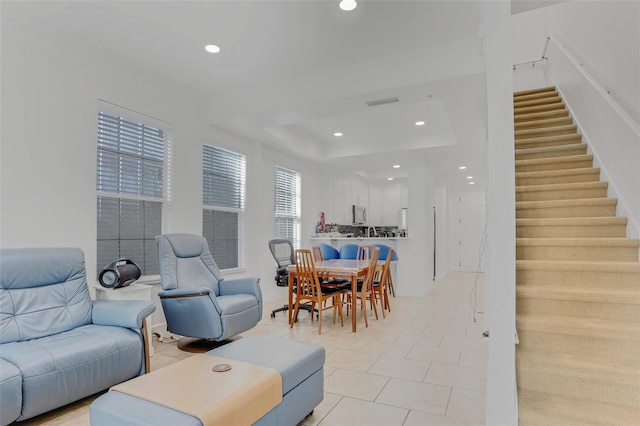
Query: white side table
column 131, row 292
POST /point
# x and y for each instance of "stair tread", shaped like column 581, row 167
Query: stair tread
column 550, row 138
column 536, row 101
column 573, row 146
column 586, row 202
column 564, row 158
column 534, row 91
column 575, row 365
column 558, row 173
column 531, row 108
column 523, row 118
column 549, row 121
column 582, row 242
column 540, row 408
column 597, row 294
column 580, row 265
column 568, row 221
column 625, row 330
column 561, row 186
column 547, row 129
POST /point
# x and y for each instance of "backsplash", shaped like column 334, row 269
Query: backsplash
column 361, row 230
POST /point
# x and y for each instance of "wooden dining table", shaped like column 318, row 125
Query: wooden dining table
column 335, row 268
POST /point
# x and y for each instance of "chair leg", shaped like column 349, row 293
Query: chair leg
column 379, row 296
column 386, row 299
column 390, row 284
column 372, row 296
column 319, row 317
column 295, row 314
column 339, row 298
column 334, row 310
column 363, row 304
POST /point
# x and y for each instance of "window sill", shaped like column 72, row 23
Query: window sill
column 232, row 271
column 148, row 279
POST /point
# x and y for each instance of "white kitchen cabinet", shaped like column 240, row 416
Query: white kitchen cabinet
column 404, row 197
column 374, row 213
column 339, row 197
column 384, row 204
column 360, row 193
column 391, row 202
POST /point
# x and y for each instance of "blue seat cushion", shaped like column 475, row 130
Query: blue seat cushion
column 294, row 360
column 65, row 367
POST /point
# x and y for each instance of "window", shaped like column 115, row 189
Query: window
column 223, row 187
column 130, row 174
column 287, row 205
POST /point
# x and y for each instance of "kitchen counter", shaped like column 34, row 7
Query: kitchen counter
column 358, row 238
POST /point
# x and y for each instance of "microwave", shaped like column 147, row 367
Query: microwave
column 359, row 215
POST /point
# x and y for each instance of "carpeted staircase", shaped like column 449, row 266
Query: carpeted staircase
column 577, row 278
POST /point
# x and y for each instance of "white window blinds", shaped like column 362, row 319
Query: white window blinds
column 129, row 181
column 287, row 205
column 223, row 178
column 223, row 192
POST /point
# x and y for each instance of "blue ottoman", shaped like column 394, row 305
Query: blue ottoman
column 300, row 364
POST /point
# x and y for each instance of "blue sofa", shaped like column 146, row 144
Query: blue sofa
column 56, row 344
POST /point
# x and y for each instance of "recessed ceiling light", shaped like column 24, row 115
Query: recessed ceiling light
column 419, row 123
column 462, row 167
column 212, row 48
column 348, row 4
column 472, row 183
column 389, row 178
column 337, row 134
column 396, row 166
column 469, row 177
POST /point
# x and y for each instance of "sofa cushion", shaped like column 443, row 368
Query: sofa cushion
column 10, row 392
column 65, row 367
column 294, row 360
column 42, row 291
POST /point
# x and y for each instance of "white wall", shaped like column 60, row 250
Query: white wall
column 501, row 398
column 416, row 274
column 605, row 38
column 48, row 153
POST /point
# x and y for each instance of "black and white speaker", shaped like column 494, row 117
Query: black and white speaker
column 119, row 274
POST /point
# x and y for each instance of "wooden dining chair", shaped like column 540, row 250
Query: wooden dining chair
column 364, row 252
column 365, row 289
column 317, row 254
column 310, row 292
column 380, row 284
column 325, row 280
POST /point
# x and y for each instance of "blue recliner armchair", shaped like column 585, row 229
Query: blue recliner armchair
column 197, row 300
column 56, row 344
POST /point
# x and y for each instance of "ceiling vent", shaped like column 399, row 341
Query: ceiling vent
column 382, row 101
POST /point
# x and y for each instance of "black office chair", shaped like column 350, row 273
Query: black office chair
column 284, row 254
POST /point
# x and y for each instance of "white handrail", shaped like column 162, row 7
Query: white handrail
column 619, row 109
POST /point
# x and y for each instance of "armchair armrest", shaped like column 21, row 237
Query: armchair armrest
column 121, row 313
column 191, row 292
column 242, row 286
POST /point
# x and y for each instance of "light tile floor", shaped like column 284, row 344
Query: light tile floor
column 425, row 364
